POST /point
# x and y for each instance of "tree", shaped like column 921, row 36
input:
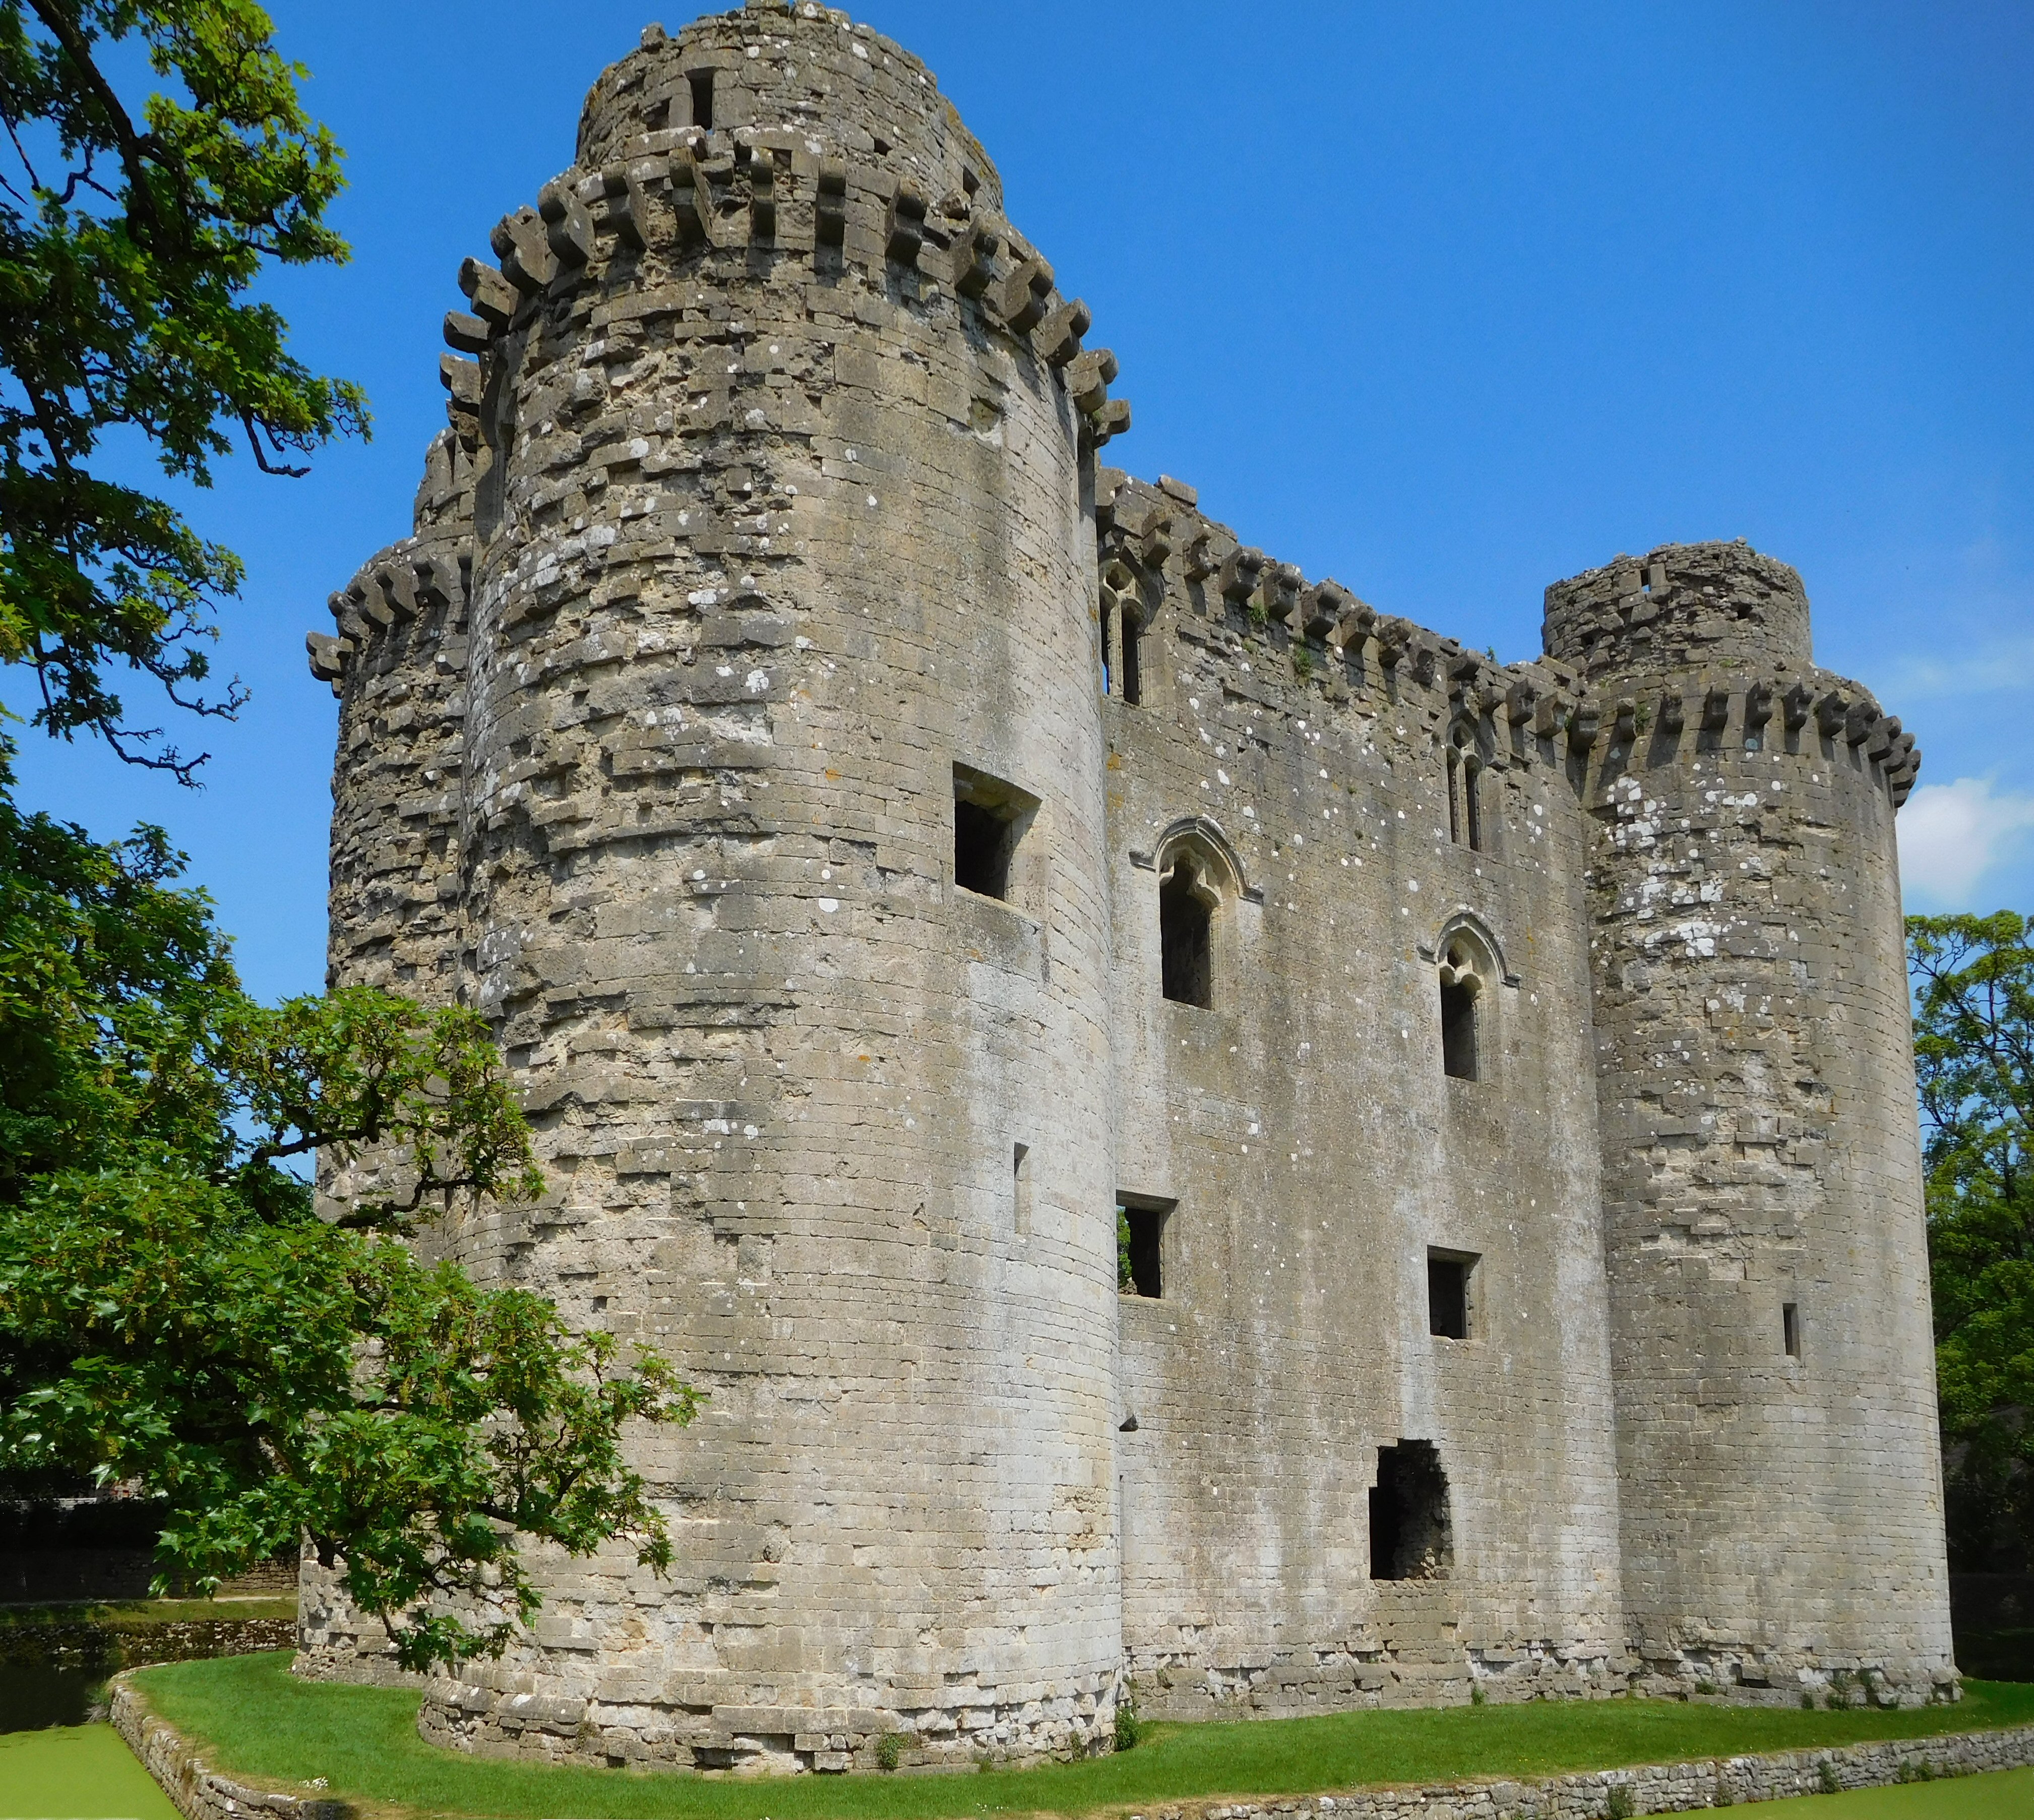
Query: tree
column 175, row 1317
column 127, row 247
column 1974, row 1055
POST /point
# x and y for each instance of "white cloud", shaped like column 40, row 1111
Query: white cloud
column 1951, row 835
column 2001, row 665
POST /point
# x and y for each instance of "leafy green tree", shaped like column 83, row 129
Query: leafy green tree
column 175, row 1317
column 1974, row 1055
column 129, row 240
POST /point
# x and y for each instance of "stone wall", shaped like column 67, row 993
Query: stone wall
column 787, row 733
column 1313, row 1150
column 92, row 1643
column 776, row 524
column 1778, row 1450
column 198, row 1792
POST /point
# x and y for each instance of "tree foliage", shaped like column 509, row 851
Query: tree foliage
column 1974, row 1057
column 175, row 1318
column 129, row 240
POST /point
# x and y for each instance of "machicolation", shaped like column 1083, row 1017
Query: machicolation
column 1202, row 1137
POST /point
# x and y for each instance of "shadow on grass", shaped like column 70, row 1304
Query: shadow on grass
column 264, row 1724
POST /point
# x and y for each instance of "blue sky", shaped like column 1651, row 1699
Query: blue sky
column 1447, row 302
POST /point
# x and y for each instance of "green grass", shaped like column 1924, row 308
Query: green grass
column 263, row 1724
column 82, row 1773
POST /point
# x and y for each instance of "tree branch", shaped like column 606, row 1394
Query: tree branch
column 136, row 149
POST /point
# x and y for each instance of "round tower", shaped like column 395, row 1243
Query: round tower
column 1781, row 1484
column 780, row 875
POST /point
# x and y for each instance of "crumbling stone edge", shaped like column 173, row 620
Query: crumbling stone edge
column 202, row 1793
column 197, row 1793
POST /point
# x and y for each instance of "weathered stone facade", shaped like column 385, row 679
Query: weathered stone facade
column 888, row 839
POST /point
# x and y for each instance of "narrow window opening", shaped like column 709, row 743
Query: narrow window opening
column 1454, row 797
column 1790, row 1328
column 1020, row 1180
column 1108, row 632
column 982, row 850
column 1411, row 1537
column 1186, row 938
column 1473, row 803
column 1448, row 1293
column 990, row 818
column 1140, row 1229
column 702, row 86
column 968, row 181
column 1458, row 1029
column 1133, row 659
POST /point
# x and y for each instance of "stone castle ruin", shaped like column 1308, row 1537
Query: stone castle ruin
column 897, row 849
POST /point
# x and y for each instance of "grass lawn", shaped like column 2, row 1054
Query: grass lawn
column 263, row 1724
column 79, row 1773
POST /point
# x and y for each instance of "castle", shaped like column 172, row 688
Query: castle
column 1204, row 1139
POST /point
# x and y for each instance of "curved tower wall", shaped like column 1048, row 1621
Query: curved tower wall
column 1781, row 1513
column 765, row 558
column 778, row 519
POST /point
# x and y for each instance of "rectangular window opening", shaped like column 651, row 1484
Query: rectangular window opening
column 1411, row 1537
column 1020, row 1180
column 1458, row 1031
column 990, row 818
column 1454, row 799
column 1473, row 804
column 1140, row 1231
column 1133, row 660
column 702, row 88
column 1186, row 937
column 1790, row 1328
column 1448, row 1293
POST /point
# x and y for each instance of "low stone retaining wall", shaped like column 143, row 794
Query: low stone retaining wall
column 202, row 1793
column 197, row 1792
column 1655, row 1789
column 88, row 1643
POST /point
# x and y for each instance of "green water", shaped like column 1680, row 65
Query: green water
column 76, row 1773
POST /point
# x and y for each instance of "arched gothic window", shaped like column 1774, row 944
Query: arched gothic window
column 1466, row 970
column 1465, row 782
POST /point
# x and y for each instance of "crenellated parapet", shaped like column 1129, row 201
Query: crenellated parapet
column 1713, row 618
column 659, row 199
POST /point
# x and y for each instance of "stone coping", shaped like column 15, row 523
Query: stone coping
column 202, row 1793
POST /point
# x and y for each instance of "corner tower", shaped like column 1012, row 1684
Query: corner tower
column 1780, row 1496
column 773, row 831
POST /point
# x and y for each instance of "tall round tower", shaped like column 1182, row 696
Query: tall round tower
column 1769, row 1279
column 779, row 874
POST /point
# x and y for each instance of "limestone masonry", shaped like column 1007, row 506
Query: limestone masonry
column 900, row 853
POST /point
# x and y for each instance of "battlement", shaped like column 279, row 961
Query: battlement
column 806, row 72
column 1165, row 567
column 673, row 199
column 1681, row 606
